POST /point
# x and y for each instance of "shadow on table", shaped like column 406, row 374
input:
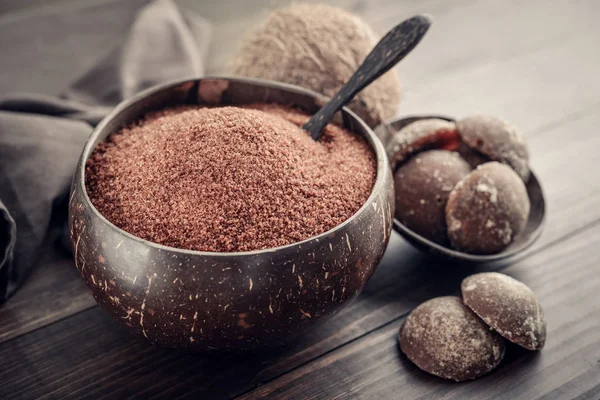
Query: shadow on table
column 517, row 361
column 406, row 276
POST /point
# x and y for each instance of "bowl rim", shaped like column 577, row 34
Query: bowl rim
column 509, row 252
column 370, row 137
column 457, row 254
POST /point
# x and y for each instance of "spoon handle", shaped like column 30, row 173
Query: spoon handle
column 394, row 46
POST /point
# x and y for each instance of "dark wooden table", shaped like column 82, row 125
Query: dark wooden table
column 535, row 63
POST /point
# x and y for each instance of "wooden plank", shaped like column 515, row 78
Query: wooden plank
column 52, row 292
column 87, row 356
column 566, row 279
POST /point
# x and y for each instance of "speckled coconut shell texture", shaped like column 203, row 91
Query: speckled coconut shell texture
column 496, row 139
column 419, row 136
column 422, row 186
column 207, row 301
column 507, row 306
column 317, row 47
column 487, row 209
column 214, row 301
column 445, row 338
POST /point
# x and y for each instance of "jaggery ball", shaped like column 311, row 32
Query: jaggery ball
column 422, row 186
column 496, row 139
column 318, row 47
column 508, row 306
column 487, row 209
column 421, row 135
column 445, row 338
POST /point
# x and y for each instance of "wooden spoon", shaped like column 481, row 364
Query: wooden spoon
column 394, row 46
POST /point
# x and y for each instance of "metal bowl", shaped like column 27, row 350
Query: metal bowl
column 202, row 300
column 524, row 240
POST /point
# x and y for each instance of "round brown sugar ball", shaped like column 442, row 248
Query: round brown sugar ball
column 424, row 134
column 317, row 47
column 496, row 139
column 487, row 209
column 445, row 338
column 422, row 186
column 507, row 306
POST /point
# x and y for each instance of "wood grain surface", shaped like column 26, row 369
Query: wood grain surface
column 373, row 366
column 533, row 63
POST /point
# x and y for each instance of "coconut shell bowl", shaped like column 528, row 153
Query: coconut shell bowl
column 531, row 232
column 207, row 301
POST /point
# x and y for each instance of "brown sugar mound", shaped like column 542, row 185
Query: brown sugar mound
column 229, row 179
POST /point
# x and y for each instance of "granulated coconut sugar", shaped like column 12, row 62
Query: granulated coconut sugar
column 229, row 179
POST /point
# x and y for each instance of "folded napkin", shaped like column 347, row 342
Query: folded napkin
column 67, row 67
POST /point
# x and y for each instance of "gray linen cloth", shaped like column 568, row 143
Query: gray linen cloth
column 61, row 70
